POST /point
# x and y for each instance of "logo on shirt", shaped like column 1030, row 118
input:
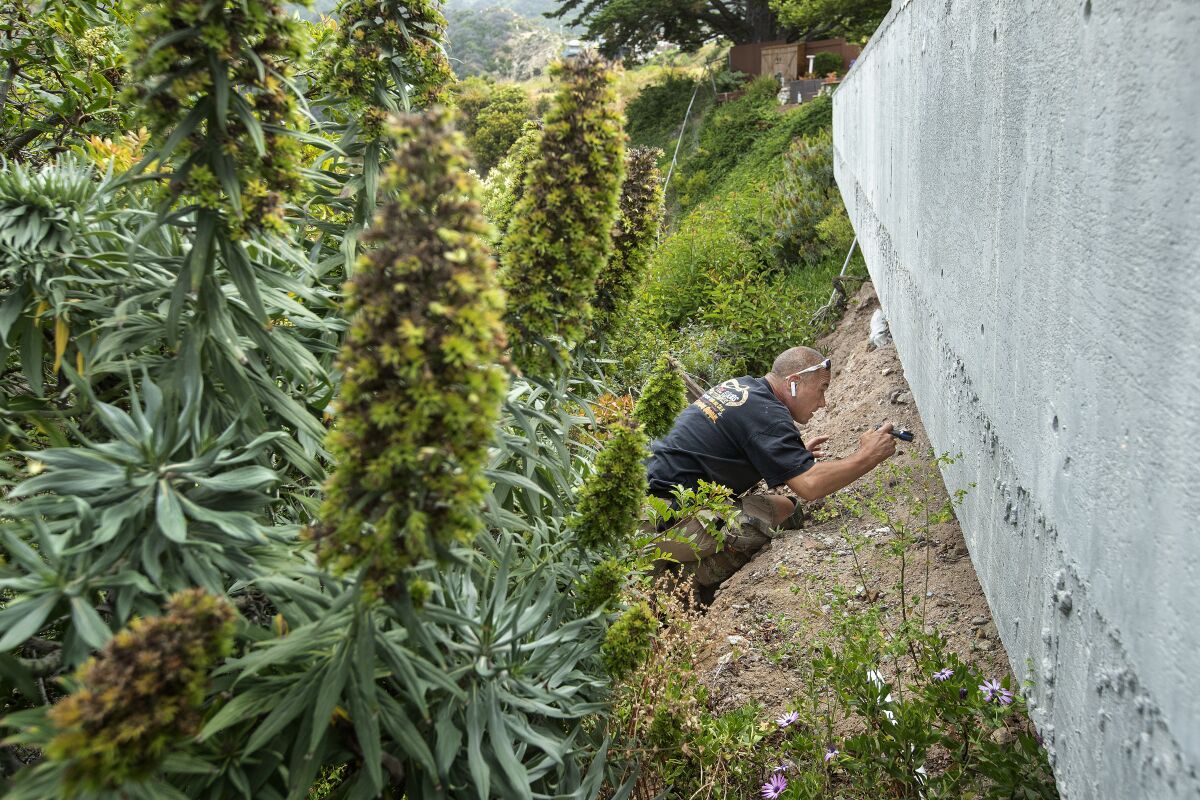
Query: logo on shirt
column 729, row 394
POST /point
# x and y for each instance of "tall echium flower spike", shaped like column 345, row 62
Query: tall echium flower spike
column 218, row 75
column 663, row 397
column 422, row 383
column 142, row 694
column 560, row 233
column 387, row 56
column 634, row 237
column 610, row 501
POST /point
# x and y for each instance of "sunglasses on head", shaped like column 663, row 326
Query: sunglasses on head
column 826, row 364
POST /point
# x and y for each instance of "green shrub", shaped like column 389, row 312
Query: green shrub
column 663, row 397
column 498, row 122
column 653, row 116
column 825, row 63
column 806, row 196
column 629, row 640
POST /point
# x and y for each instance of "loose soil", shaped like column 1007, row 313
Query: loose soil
column 785, row 590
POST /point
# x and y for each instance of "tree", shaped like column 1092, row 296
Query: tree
column 634, row 26
column 856, row 20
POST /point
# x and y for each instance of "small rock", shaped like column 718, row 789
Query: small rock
column 737, row 641
column 886, row 371
column 978, row 622
column 942, row 603
column 990, row 631
column 1003, row 736
column 984, row 645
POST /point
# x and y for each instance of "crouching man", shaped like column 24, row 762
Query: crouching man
column 743, row 431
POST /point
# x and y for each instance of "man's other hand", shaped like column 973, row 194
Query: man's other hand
column 815, row 446
column 877, row 445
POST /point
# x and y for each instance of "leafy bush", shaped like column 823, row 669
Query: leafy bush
column 505, row 184
column 494, row 116
column 826, row 63
column 806, row 196
column 653, row 116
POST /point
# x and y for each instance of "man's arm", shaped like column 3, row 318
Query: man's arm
column 827, row 477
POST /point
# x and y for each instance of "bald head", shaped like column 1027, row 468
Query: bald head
column 789, row 362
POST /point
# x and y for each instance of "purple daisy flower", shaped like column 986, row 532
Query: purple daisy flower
column 990, row 689
column 943, row 674
column 1005, row 697
column 830, row 754
column 774, row 786
column 788, row 719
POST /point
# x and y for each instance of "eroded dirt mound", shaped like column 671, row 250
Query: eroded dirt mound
column 785, row 591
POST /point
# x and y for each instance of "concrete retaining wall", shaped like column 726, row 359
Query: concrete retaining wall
column 1023, row 176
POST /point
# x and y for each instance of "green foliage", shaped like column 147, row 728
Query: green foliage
column 854, row 19
column 386, row 56
column 825, row 63
column 663, row 397
column 560, row 234
column 634, row 238
column 653, row 115
column 138, row 698
column 494, row 117
column 611, row 498
column 602, row 586
column 633, row 29
column 806, row 196
column 629, row 640
column 64, row 69
column 505, row 184
column 421, row 388
column 229, row 66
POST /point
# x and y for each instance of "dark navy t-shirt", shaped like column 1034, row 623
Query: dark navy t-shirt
column 736, row 434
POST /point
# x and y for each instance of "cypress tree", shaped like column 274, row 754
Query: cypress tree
column 634, row 236
column 422, row 386
column 663, row 397
column 560, row 234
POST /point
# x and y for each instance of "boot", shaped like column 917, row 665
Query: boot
column 740, row 546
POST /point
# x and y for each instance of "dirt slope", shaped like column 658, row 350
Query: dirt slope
column 781, row 592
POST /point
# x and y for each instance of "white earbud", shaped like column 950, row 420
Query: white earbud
column 793, row 388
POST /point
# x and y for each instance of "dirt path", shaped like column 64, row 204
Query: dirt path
column 784, row 592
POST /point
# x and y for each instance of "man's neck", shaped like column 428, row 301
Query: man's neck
column 776, row 384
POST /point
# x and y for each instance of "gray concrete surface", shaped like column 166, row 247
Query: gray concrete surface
column 1023, row 176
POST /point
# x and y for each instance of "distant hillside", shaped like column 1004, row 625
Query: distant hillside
column 500, row 40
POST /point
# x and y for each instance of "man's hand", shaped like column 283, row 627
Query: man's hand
column 815, row 446
column 877, row 445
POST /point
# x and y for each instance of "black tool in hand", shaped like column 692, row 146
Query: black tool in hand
column 902, row 435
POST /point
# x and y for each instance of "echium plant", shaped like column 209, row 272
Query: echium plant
column 386, row 57
column 560, row 234
column 422, row 382
column 130, row 706
column 634, row 236
column 663, row 397
column 610, row 501
column 214, row 82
